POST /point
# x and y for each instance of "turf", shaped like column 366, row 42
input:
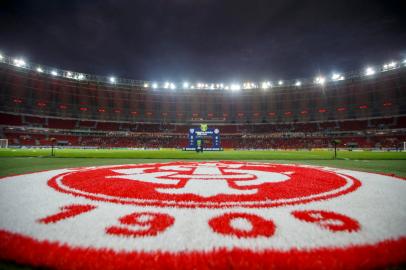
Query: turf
column 18, row 165
column 15, row 161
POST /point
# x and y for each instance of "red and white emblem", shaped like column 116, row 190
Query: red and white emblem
column 205, row 184
column 203, row 215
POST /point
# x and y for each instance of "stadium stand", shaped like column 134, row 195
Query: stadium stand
column 360, row 112
column 367, row 133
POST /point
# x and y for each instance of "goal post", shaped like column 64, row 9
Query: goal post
column 3, row 143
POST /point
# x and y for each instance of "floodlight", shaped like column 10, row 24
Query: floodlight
column 337, row 77
column 40, row 70
column 247, row 85
column 54, row 73
column 185, row 85
column 172, row 86
column 320, row 80
column 68, row 74
column 112, row 79
column 80, row 77
column 19, row 62
column 390, row 65
column 369, row 71
column 298, row 83
column 1, row 57
column 280, row 82
column 266, row 85
column 235, row 87
column 154, row 85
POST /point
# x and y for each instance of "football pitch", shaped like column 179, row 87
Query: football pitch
column 15, row 161
column 339, row 200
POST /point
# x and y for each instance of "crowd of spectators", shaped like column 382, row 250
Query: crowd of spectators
column 386, row 132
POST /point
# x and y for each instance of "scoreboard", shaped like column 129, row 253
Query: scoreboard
column 203, row 132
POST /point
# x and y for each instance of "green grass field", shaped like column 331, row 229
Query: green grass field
column 17, row 161
column 222, row 155
column 14, row 161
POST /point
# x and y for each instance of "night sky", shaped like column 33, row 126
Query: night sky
column 204, row 40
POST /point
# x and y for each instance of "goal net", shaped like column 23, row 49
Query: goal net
column 3, row 143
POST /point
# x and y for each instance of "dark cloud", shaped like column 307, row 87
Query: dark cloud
column 204, row 39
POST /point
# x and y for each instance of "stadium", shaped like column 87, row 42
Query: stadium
column 362, row 110
column 105, row 172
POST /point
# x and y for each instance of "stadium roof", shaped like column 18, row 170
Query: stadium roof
column 321, row 80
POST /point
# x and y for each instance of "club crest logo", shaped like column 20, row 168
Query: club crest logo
column 201, row 214
column 205, row 184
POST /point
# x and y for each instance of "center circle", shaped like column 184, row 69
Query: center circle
column 205, row 184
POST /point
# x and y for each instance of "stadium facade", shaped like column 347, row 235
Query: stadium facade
column 366, row 109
